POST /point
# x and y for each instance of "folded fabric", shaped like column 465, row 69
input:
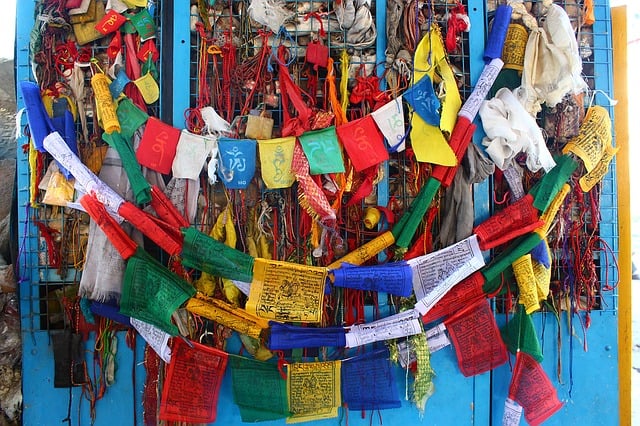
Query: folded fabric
column 498, row 33
column 552, row 63
column 511, row 130
column 40, row 123
column 393, row 278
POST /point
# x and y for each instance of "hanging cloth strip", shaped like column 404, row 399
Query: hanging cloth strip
column 465, row 293
column 310, row 195
column 428, row 141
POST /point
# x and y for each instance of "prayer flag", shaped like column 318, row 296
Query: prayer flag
column 390, row 121
column 158, row 146
column 532, row 389
column 258, row 389
column 322, row 149
column 191, row 389
column 152, row 293
column 275, row 161
column 237, row 162
column 313, row 389
column 286, row 336
column 363, row 142
column 477, row 340
column 368, row 383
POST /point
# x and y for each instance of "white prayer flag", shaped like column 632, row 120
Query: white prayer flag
column 390, row 121
column 434, row 274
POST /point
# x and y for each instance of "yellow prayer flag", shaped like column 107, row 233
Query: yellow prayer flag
column 227, row 315
column 148, row 88
column 589, row 180
column 275, row 161
column 593, row 138
column 528, row 293
column 313, row 389
column 550, row 213
column 287, row 292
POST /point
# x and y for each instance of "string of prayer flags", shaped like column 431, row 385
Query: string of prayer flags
column 205, row 254
column 313, row 389
column 368, row 383
column 434, row 274
column 158, row 146
column 428, row 142
column 465, row 293
column 152, row 293
column 226, row 314
column 394, row 278
column 287, row 336
column 191, row 154
column 402, row 324
column 464, row 127
column 515, row 220
column 191, row 389
column 531, row 388
column 390, row 120
column 285, row 291
column 237, row 162
column 322, row 150
column 258, row 390
column 476, row 338
column 363, row 142
column 542, row 271
column 275, row 162
column 366, row 251
column 519, row 334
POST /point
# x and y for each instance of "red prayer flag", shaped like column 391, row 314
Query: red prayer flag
column 191, row 389
column 116, row 235
column 459, row 142
column 476, row 337
column 517, row 219
column 465, row 293
column 533, row 390
column 158, row 146
column 364, row 142
column 165, row 236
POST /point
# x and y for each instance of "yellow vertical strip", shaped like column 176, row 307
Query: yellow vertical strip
column 621, row 91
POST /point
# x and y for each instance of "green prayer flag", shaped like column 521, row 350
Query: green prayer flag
column 322, row 150
column 406, row 227
column 551, row 183
column 151, row 292
column 500, row 263
column 206, row 254
column 139, row 185
column 130, row 117
column 258, row 390
column 521, row 325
